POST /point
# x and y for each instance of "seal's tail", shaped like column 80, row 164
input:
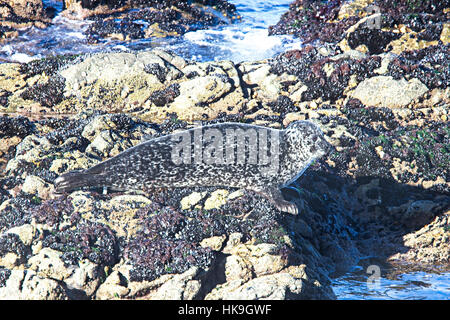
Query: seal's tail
column 75, row 179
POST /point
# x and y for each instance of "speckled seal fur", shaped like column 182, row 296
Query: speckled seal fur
column 151, row 163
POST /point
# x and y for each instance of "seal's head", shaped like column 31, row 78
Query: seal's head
column 307, row 139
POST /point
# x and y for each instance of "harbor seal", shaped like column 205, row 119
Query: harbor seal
column 235, row 155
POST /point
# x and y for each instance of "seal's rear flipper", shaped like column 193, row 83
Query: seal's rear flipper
column 274, row 195
column 73, row 180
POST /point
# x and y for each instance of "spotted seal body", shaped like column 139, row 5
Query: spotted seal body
column 223, row 155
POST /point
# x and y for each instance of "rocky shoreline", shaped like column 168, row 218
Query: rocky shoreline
column 384, row 192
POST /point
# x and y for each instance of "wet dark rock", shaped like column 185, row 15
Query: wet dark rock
column 317, row 20
column 124, row 29
column 153, row 258
column 264, row 117
column 63, row 130
column 125, row 123
column 54, row 211
column 93, row 241
column 168, row 240
column 47, row 94
column 49, row 65
column 192, row 75
column 4, row 97
column 432, row 32
column 72, row 128
column 222, row 5
column 16, row 213
column 426, row 150
column 40, row 169
column 416, row 64
column 91, row 4
column 376, row 40
column 171, row 124
column 15, row 126
column 410, row 7
column 283, row 105
column 295, row 62
column 157, row 70
column 158, row 4
column 226, row 117
column 163, row 97
column 12, row 243
column 4, row 276
column 67, row 129
column 307, row 64
column 195, row 225
column 162, row 247
column 55, row 123
column 4, row 195
column 309, row 20
column 367, row 116
column 160, row 222
column 425, row 17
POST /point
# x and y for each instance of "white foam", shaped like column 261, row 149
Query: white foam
column 238, row 44
column 70, row 22
column 200, row 38
column 23, row 57
column 7, row 49
column 121, row 47
column 245, row 40
column 78, row 35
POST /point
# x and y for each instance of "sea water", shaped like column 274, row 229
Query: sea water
column 417, row 285
column 244, row 40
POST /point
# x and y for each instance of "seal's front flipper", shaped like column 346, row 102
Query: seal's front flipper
column 274, row 195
